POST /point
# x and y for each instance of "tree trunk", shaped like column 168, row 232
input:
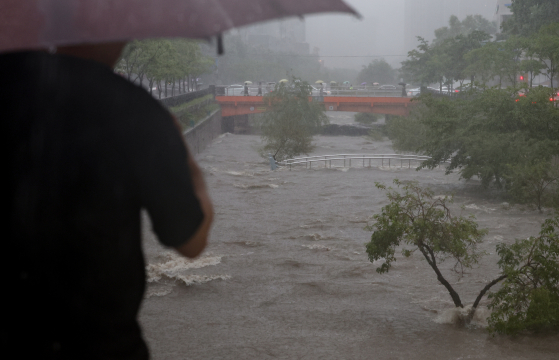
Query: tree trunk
column 173, row 88
column 432, row 261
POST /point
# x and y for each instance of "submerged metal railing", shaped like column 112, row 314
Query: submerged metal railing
column 360, row 159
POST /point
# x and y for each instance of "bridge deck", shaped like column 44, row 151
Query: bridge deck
column 241, row 105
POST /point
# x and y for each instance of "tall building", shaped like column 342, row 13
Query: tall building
column 286, row 35
column 422, row 17
column 502, row 12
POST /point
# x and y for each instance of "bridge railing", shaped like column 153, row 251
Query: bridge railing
column 359, row 160
column 365, row 92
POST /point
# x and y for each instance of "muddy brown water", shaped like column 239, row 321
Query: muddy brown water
column 286, row 275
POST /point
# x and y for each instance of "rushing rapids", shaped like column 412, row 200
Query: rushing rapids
column 286, row 274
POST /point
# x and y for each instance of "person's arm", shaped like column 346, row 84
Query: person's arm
column 197, row 242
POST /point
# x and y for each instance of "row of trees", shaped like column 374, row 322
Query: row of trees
column 508, row 137
column 496, row 135
column 470, row 55
column 379, row 71
column 162, row 62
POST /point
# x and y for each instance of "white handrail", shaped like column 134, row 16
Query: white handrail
column 309, row 160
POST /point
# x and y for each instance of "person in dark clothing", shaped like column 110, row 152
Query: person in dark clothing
column 259, row 88
column 246, row 90
column 87, row 150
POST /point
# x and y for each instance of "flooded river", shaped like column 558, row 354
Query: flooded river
column 286, row 275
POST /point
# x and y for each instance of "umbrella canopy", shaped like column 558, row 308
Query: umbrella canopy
column 363, row 83
column 36, row 24
column 333, row 82
column 319, row 82
column 283, row 81
column 248, row 82
column 346, row 82
column 376, row 84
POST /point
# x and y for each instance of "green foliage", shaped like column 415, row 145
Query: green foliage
column 496, row 59
column 528, row 16
column 444, row 61
column 288, row 127
column 377, row 71
column 407, row 133
column 544, row 46
column 418, row 220
column 483, row 133
column 529, row 297
column 534, row 181
column 470, row 24
column 366, row 118
column 161, row 60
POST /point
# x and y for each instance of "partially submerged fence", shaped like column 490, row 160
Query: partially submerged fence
column 359, row 160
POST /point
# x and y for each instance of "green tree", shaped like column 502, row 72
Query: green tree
column 407, row 132
column 529, row 297
column 496, row 59
column 419, row 221
column 288, row 127
column 379, row 71
column 534, row 181
column 483, row 133
column 470, row 24
column 421, row 66
column 528, row 16
column 544, row 45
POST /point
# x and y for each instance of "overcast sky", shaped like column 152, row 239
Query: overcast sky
column 379, row 32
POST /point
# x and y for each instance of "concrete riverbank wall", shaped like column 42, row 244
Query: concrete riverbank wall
column 201, row 135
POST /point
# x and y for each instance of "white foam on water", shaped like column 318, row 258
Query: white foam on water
column 458, row 316
column 317, row 247
column 255, row 186
column 317, row 236
column 174, row 266
column 239, row 173
column 200, row 279
column 482, row 208
column 158, row 292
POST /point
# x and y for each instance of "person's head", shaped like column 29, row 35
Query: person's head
column 105, row 53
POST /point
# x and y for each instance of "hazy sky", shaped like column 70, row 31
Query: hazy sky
column 379, row 32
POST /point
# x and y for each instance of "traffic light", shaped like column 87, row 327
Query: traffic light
column 521, row 77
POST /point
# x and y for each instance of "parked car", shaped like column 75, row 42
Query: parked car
column 388, row 87
column 270, row 86
column 414, row 92
column 235, row 90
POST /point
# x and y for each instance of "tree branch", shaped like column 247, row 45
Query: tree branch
column 484, row 290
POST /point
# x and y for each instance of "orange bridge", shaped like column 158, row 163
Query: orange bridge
column 242, row 105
